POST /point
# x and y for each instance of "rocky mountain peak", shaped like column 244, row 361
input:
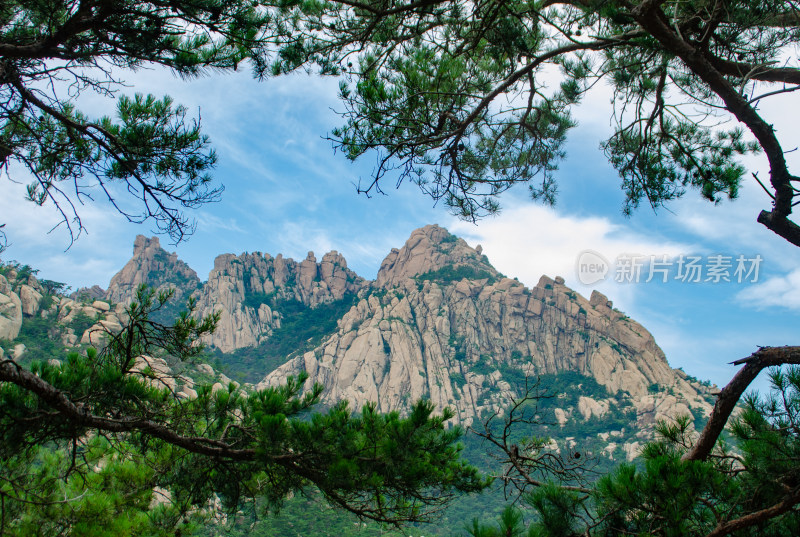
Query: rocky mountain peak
column 141, row 244
column 429, row 249
column 153, row 265
column 440, row 322
column 251, row 292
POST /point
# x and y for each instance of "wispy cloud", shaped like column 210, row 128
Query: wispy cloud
column 207, row 221
column 38, row 238
column 778, row 292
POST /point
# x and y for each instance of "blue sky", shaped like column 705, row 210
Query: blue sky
column 287, row 192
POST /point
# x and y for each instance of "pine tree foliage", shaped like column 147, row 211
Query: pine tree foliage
column 91, row 488
column 463, row 98
column 223, row 443
column 52, row 51
column 468, row 98
column 748, row 486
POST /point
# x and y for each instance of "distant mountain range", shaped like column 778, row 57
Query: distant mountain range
column 438, row 322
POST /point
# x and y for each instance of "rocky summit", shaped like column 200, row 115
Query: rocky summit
column 245, row 290
column 439, row 321
column 153, row 266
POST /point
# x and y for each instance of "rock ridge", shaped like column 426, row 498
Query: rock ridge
column 154, row 266
column 249, row 290
column 439, row 321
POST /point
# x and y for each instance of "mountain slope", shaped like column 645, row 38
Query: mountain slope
column 441, row 322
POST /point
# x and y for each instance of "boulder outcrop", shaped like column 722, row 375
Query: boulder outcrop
column 10, row 311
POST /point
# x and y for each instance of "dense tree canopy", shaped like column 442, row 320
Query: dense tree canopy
column 103, row 410
column 463, row 98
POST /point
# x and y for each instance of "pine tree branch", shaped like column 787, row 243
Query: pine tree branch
column 404, row 495
column 58, row 400
column 654, row 21
column 522, row 462
column 731, row 394
column 752, row 519
column 81, row 21
column 763, row 73
column 780, row 225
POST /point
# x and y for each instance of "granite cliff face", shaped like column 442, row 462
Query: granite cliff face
column 429, row 249
column 249, row 291
column 438, row 321
column 441, row 322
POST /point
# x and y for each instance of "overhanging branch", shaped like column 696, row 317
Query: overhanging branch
column 652, row 19
column 731, row 394
column 758, row 517
column 58, row 400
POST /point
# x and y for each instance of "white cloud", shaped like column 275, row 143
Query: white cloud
column 528, row 240
column 297, row 238
column 37, row 239
column 779, row 291
column 733, row 223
